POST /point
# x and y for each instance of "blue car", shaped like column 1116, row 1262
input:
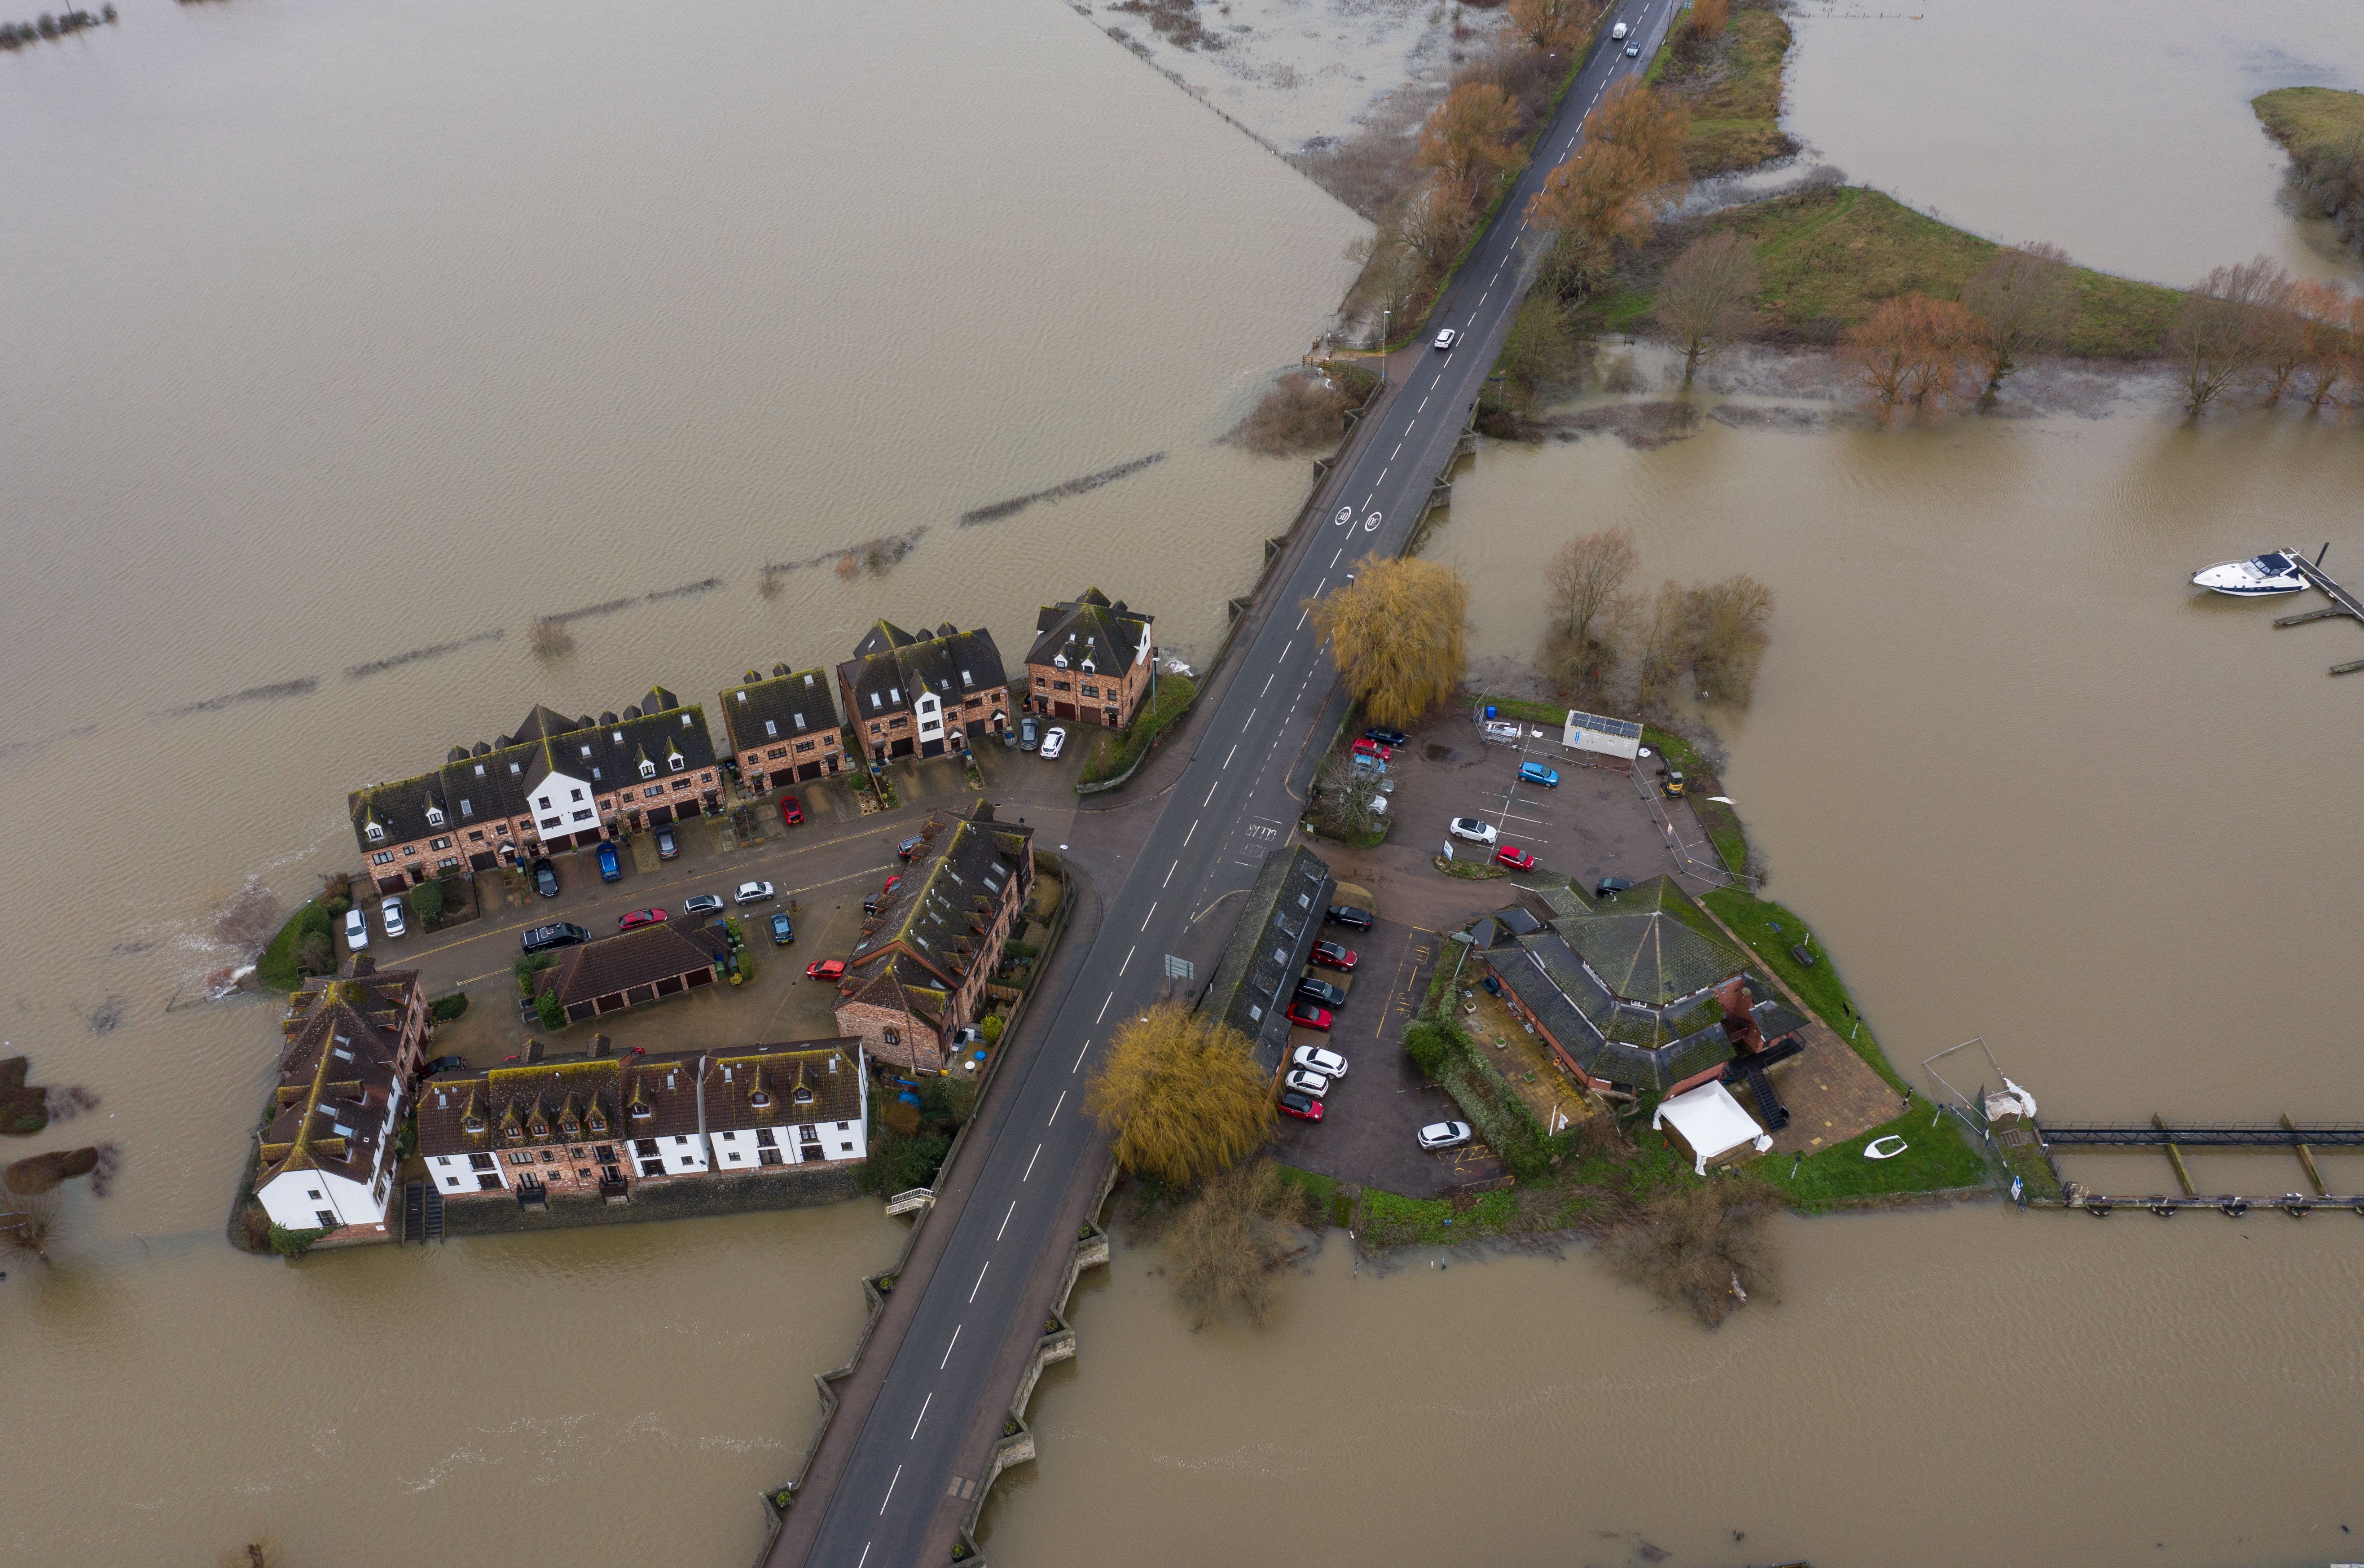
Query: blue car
column 611, row 867
column 1536, row 773
column 783, row 933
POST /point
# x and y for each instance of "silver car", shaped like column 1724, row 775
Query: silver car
column 392, row 910
column 356, row 929
column 1305, row 1082
column 755, row 892
column 1445, row 1135
column 699, row 904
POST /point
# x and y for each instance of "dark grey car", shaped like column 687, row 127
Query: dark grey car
column 1309, row 989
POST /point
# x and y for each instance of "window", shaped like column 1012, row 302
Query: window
column 842, row 1126
column 736, row 1156
column 543, row 803
column 776, row 752
column 409, row 849
column 967, row 679
column 383, row 857
column 681, row 1138
column 587, row 753
column 549, row 821
column 376, row 834
column 652, row 792
column 515, row 768
column 444, row 843
column 804, row 746
column 480, row 1161
column 451, row 1181
column 1091, row 691
column 675, row 761
column 800, row 721
column 480, row 773
column 575, row 795
column 770, row 727
column 326, row 1217
column 1058, row 660
column 466, row 808
column 1058, row 685
column 874, row 727
column 768, row 1157
column 585, row 815
column 477, row 836
column 648, row 769
column 502, row 829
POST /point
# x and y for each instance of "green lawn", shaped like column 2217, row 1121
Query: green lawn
column 1548, row 713
column 1733, row 88
column 1823, row 991
column 277, row 969
column 1936, row 1157
column 2304, row 118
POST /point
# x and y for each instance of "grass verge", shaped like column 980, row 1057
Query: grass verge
column 1937, row 1158
column 1734, row 87
column 278, row 968
column 1111, row 757
column 1755, row 920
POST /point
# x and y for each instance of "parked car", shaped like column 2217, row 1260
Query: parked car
column 1306, row 1016
column 1330, row 955
column 907, row 848
column 1445, row 1135
column 1320, row 991
column 1305, row 1082
column 545, row 879
column 632, row 920
column 825, row 969
column 667, row 845
column 791, row 813
column 1297, row 1105
column 1364, row 763
column 1346, row 915
column 1536, row 773
column 1319, row 1058
column 1030, row 733
column 699, row 904
column 391, row 911
column 783, row 933
column 879, row 900
column 1384, row 736
column 1367, row 747
column 559, row 934
column 356, row 929
column 1476, row 832
column 1515, row 858
column 755, row 892
column 1610, row 886
column 1053, row 742
column 611, row 865
column 444, row 1064
column 1447, row 339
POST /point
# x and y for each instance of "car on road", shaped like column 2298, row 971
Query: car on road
column 791, row 813
column 699, row 904
column 1053, row 742
column 1633, row 51
column 1319, row 1058
column 667, row 845
column 825, row 969
column 1330, row 955
column 1617, row 34
column 1536, row 773
column 1296, row 1105
column 1515, row 858
column 1385, row 737
column 910, row 846
column 545, row 879
column 1367, row 747
column 1476, row 832
column 1610, row 886
column 783, row 933
column 633, row 919
column 1445, row 1135
column 1306, row 1016
column 559, row 934
column 1447, row 339
column 755, row 892
column 1346, row 915
column 444, row 1064
column 1321, row 992
column 1029, row 733
column 611, row 865
column 356, row 929
column 1304, row 1082
column 390, row 912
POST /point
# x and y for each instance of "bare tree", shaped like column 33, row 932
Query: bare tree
column 2022, row 299
column 2217, row 336
column 2325, row 310
column 1912, row 353
column 1540, row 350
column 1584, row 587
column 1346, row 809
column 1729, row 636
column 1708, row 17
column 1702, row 302
column 1224, row 1247
column 1662, row 649
column 1551, row 26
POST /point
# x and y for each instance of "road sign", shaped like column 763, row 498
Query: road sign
column 1179, row 968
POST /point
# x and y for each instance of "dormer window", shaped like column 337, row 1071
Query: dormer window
column 643, row 1110
column 760, row 1099
column 803, row 1095
column 435, row 816
column 1087, row 666
column 517, row 1133
column 648, row 769
column 572, row 1129
column 598, row 1124
column 677, row 761
column 471, row 1123
column 1059, row 660
column 376, row 834
column 538, row 1127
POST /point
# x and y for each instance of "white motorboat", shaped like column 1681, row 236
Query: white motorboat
column 2273, row 573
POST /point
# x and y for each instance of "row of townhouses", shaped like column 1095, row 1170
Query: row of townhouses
column 351, row 1047
column 557, row 783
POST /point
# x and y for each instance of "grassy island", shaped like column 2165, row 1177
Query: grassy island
column 2323, row 128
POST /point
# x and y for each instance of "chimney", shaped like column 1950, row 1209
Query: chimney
column 533, row 1051
column 600, row 1046
column 1739, row 1017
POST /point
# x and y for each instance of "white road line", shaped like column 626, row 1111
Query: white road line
column 1078, row 1066
column 1251, row 718
column 1434, row 379
column 972, row 1295
column 1194, row 828
column 1150, row 916
column 1399, row 452
column 1104, row 1006
column 1383, row 476
column 915, row 1425
column 865, row 1557
column 1054, row 1108
column 1005, row 1221
column 1268, row 680
column 1127, row 964
column 1300, row 620
column 1286, row 646
column 1169, row 874
column 891, row 1492
column 1484, row 297
column 1230, row 754
column 1423, row 406
column 1210, row 795
column 1334, row 561
column 948, row 1348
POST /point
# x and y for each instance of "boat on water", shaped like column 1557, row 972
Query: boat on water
column 2276, row 571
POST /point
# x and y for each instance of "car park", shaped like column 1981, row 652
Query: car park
column 632, row 920
column 791, row 812
column 783, row 931
column 1346, row 915
column 611, row 865
column 558, row 934
column 1296, row 1105
column 825, row 969
column 1447, row 339
column 1445, row 1135
column 356, row 929
column 1385, row 737
column 1610, row 886
column 1515, row 858
column 1319, row 1058
column 1306, row 1016
column 1330, row 955
column 755, row 892
column 1476, row 832
column 391, row 911
column 699, row 904
column 1052, row 742
column 1305, row 1082
column 1536, row 773
column 1321, row 993
column 667, row 845
column 1367, row 747
column 545, row 879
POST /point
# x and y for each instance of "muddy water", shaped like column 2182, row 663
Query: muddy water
column 2126, row 138
column 335, row 334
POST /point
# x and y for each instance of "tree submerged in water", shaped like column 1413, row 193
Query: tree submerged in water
column 1227, row 1245
column 1704, row 1248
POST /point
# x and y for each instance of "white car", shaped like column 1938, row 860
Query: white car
column 699, row 904
column 1053, row 741
column 392, row 910
column 1617, row 34
column 753, row 892
column 356, row 929
column 1476, row 832
column 1314, row 1058
column 1447, row 339
column 1445, row 1135
column 1314, row 1083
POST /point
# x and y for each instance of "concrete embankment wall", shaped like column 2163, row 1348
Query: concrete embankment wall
column 676, row 1197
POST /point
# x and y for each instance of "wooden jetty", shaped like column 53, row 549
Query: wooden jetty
column 2175, row 1138
column 2342, row 602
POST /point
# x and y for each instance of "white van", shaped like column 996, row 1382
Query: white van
column 1617, row 34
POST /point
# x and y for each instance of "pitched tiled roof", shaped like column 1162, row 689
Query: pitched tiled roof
column 787, row 703
column 1110, row 636
column 1645, row 945
column 892, row 666
column 783, row 1086
column 946, row 898
column 1254, row 978
column 898, row 984
column 640, row 957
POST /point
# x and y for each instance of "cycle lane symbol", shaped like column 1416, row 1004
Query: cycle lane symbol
column 1346, row 515
column 1371, row 524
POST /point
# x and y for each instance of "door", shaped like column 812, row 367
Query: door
column 1064, row 709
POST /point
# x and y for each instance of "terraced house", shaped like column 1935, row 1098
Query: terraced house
column 1091, row 661
column 783, row 729
column 917, row 975
column 353, row 1045
column 907, row 695
column 556, row 783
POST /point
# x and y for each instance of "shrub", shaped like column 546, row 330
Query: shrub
column 992, row 1027
column 292, row 1243
column 898, row 1163
column 1693, row 1246
column 1428, row 1046
column 290, row 955
column 427, row 902
column 553, row 1014
column 902, row 1118
column 445, row 1008
column 317, row 953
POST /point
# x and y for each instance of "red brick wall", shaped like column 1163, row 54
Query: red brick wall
column 1125, row 690
column 916, row 1046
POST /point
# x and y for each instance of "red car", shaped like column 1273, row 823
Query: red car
column 1367, row 747
column 1516, row 859
column 1306, row 1016
column 1330, row 955
column 825, row 969
column 640, row 917
column 790, row 812
column 1300, row 1106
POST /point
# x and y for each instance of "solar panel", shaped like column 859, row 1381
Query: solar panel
column 1594, row 721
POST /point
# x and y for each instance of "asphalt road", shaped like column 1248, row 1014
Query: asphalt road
column 1232, row 805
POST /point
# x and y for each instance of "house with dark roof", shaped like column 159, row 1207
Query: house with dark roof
column 556, row 783
column 786, row 1105
column 1091, row 661
column 783, row 728
column 645, row 964
column 1268, row 949
column 907, row 695
column 919, row 973
column 350, row 1045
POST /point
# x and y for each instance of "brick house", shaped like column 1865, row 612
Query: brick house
column 1091, row 661
column 786, row 1105
column 633, row 967
column 919, row 973
column 352, row 1046
column 905, row 695
column 783, row 729
column 557, row 783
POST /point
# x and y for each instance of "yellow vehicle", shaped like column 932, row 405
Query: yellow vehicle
column 1674, row 782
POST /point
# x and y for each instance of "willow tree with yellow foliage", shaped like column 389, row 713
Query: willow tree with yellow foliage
column 1183, row 1093
column 1399, row 636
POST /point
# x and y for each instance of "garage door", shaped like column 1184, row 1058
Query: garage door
column 659, row 814
column 931, row 748
column 809, row 771
column 1064, row 709
column 900, row 749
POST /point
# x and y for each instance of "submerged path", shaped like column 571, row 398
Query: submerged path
column 896, row 1474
